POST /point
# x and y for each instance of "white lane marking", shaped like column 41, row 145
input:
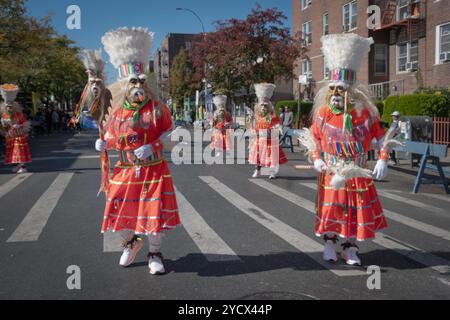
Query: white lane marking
column 409, row 201
column 439, row 264
column 207, row 240
column 444, row 197
column 427, row 259
column 295, row 238
column 32, row 225
column 415, row 224
column 14, row 182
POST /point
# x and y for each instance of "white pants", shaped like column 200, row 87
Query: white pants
column 154, row 240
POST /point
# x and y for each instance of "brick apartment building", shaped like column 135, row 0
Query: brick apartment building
column 164, row 56
column 411, row 50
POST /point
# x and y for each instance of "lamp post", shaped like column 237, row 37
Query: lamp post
column 204, row 34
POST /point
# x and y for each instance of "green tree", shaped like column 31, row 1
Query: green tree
column 35, row 57
column 181, row 82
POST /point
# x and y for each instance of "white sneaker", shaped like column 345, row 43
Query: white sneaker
column 256, row 174
column 272, row 176
column 130, row 252
column 329, row 251
column 15, row 169
column 350, row 256
column 22, row 170
column 155, row 264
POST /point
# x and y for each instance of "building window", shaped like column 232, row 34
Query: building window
column 307, row 68
column 403, row 9
column 381, row 60
column 325, row 24
column 349, row 16
column 443, row 43
column 306, row 4
column 407, row 56
column 326, row 70
column 307, row 32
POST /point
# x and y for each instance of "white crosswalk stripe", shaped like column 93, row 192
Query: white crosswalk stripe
column 36, row 219
column 443, row 197
column 415, row 224
column 13, row 183
column 206, row 239
column 295, row 238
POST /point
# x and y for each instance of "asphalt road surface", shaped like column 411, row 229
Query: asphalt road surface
column 241, row 238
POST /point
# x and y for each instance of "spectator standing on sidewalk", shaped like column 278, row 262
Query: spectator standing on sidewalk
column 55, row 120
column 394, row 126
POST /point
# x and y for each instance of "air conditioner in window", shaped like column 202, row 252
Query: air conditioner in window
column 412, row 66
column 309, row 77
column 444, row 56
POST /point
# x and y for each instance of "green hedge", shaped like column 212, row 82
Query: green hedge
column 417, row 105
column 305, row 107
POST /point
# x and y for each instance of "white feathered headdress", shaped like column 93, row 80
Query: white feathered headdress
column 344, row 53
column 93, row 62
column 9, row 92
column 129, row 50
column 220, row 101
column 264, row 92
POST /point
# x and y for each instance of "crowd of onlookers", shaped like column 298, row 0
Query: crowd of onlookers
column 48, row 121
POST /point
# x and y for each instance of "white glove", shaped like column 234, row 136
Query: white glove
column 143, row 152
column 319, row 165
column 337, row 182
column 100, row 145
column 380, row 171
column 16, row 126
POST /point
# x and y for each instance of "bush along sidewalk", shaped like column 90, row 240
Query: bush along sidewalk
column 422, row 104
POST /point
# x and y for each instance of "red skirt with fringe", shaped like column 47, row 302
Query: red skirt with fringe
column 264, row 153
column 351, row 212
column 143, row 200
column 220, row 140
column 17, row 150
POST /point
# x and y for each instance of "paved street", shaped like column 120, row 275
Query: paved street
column 241, row 238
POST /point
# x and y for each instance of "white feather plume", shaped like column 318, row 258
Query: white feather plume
column 345, row 50
column 349, row 170
column 264, row 91
column 389, row 142
column 126, row 45
column 306, row 139
column 92, row 60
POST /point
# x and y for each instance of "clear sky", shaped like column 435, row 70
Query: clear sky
column 100, row 16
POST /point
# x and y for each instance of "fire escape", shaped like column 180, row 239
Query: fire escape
column 401, row 19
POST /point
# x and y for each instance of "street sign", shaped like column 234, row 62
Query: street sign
column 302, row 79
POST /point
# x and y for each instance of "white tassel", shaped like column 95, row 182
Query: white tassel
column 138, row 171
column 306, row 139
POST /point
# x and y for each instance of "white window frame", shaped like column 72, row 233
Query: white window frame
column 438, row 42
column 327, row 24
column 326, row 70
column 386, row 60
column 305, row 35
column 305, row 4
column 351, row 15
column 408, row 55
column 399, row 7
column 308, row 69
